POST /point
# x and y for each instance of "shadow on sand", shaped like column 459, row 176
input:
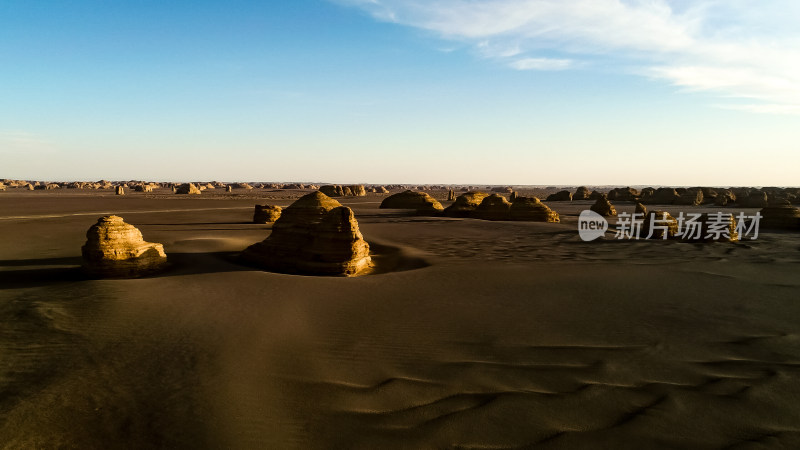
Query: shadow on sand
column 27, row 273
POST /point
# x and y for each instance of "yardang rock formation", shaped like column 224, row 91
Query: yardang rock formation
column 115, row 249
column 315, row 235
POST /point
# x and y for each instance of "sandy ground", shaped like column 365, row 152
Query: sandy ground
column 477, row 335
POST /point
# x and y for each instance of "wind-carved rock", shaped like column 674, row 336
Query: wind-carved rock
column 493, row 207
column 188, row 188
column 266, row 213
column 120, row 190
column 465, row 204
column 315, row 235
column 604, row 207
column 115, row 249
column 531, row 209
column 780, row 214
column 420, row 201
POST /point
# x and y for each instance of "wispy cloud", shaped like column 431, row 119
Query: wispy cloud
column 737, row 49
column 21, row 141
column 541, row 64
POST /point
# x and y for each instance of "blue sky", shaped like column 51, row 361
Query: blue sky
column 389, row 91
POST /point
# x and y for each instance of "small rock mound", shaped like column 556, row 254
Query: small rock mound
column 560, row 196
column 640, row 209
column 120, row 190
column 115, row 249
column 187, row 188
column 531, row 209
column 604, row 207
column 465, row 204
column 315, row 235
column 411, row 200
column 266, row 213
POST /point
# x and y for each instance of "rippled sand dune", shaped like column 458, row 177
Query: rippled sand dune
column 471, row 334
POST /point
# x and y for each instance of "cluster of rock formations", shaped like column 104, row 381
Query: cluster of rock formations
column 314, row 235
column 266, row 213
column 335, row 190
column 116, row 249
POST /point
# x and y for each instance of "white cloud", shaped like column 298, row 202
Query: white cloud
column 541, row 64
column 733, row 48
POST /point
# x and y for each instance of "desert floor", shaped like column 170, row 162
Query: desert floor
column 472, row 334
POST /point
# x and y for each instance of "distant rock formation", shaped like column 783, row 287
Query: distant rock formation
column 187, row 188
column 381, row 190
column 503, row 189
column 595, row 195
column 754, row 199
column 451, row 196
column 120, row 190
column 266, row 213
column 335, row 190
column 641, row 209
column 493, row 207
column 412, row 200
column 625, row 194
column 690, row 197
column 604, row 207
column 662, row 223
column 465, row 204
column 780, row 214
column 315, row 235
column 582, row 193
column 531, row 209
column 116, row 249
column 662, row 196
column 143, row 188
column 560, row 196
column 242, row 186
column 229, row 188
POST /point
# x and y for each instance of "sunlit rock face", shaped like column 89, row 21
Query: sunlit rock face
column 115, row 249
column 531, row 209
column 188, row 188
column 315, row 235
column 465, row 204
column 266, row 213
column 420, row 201
column 604, row 207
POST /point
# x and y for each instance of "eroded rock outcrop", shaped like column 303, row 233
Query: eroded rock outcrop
column 604, row 207
column 465, row 204
column 582, row 193
column 187, row 188
column 531, row 209
column 411, row 200
column 115, row 249
column 493, row 207
column 266, row 213
column 315, row 235
column 560, row 196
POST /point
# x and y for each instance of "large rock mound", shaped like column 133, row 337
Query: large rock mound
column 115, row 249
column 560, row 196
column 659, row 225
column 465, row 204
column 493, row 207
column 315, row 235
column 531, row 209
column 411, row 200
